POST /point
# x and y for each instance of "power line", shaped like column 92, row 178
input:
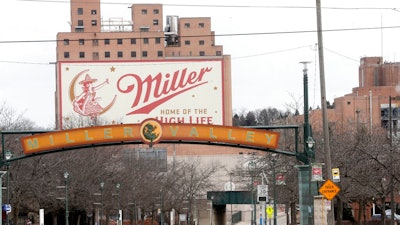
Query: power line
column 221, row 35
column 273, row 52
column 347, row 57
column 232, row 6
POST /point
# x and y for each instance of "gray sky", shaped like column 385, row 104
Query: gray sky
column 266, row 40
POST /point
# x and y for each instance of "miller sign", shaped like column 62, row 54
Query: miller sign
column 175, row 91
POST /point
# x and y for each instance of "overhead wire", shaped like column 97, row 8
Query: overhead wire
column 230, row 6
column 228, row 35
column 222, row 35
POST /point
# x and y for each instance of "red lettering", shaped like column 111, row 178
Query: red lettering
column 159, row 88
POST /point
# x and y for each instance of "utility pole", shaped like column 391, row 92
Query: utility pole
column 327, row 151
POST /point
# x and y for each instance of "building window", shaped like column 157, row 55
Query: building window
column 80, row 11
column 81, row 41
column 133, row 54
column 144, row 54
column 95, row 42
column 144, row 11
column 145, row 40
column 106, row 41
column 133, row 41
column 218, row 53
column 81, row 54
column 187, row 25
column 80, row 23
column 201, row 25
column 201, row 42
column 119, row 41
column 201, row 53
column 94, row 22
column 95, row 55
column 155, row 22
column 187, row 42
column 79, row 30
column 93, row 12
column 107, row 54
column 144, row 29
column 158, row 40
column 160, row 53
column 66, row 41
column 66, row 55
column 156, row 11
column 120, row 54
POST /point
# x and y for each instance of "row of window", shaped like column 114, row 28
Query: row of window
column 120, row 54
column 93, row 23
column 187, row 25
column 155, row 11
column 80, row 11
column 95, row 42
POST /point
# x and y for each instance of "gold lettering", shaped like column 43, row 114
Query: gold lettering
column 193, row 132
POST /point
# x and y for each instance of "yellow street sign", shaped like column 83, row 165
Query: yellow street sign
column 270, row 211
column 329, row 190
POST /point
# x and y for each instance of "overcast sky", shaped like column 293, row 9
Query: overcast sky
column 266, row 40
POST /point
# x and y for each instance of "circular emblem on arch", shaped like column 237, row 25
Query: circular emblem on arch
column 151, row 131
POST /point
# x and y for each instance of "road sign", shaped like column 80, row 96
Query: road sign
column 335, row 175
column 329, row 189
column 262, row 193
column 7, row 208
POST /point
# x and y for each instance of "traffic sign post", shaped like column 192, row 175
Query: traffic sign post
column 329, row 190
column 262, row 193
column 262, row 196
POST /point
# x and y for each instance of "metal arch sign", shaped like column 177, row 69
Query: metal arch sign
column 150, row 131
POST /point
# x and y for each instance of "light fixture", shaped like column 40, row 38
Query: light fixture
column 66, row 174
column 310, row 142
column 8, row 154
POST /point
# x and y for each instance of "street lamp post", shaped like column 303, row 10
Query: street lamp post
column 252, row 166
column 273, row 160
column 118, row 186
column 211, row 210
column 101, row 200
column 8, row 156
column 230, row 195
column 1, row 194
column 161, row 207
column 306, row 189
column 66, row 175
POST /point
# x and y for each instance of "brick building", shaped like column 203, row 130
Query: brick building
column 144, row 38
column 148, row 38
column 368, row 104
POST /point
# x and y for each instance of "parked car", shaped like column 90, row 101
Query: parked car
column 388, row 213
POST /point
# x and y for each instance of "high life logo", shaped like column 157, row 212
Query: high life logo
column 152, row 91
